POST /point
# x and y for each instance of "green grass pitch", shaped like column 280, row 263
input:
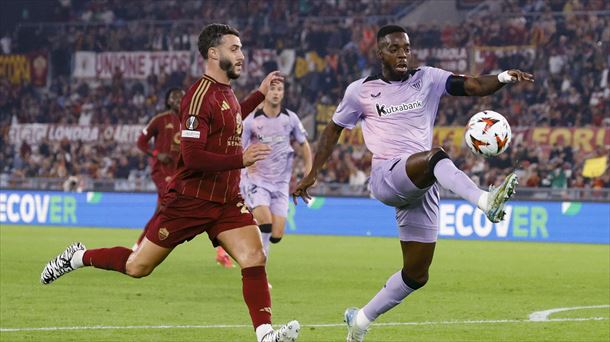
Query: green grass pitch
column 478, row 291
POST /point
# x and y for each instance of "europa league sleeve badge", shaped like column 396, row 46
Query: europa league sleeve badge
column 192, row 123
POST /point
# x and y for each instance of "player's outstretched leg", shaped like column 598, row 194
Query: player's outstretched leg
column 426, row 167
column 61, row 264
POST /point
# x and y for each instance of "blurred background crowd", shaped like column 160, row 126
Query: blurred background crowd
column 565, row 43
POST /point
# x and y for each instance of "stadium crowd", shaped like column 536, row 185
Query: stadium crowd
column 569, row 55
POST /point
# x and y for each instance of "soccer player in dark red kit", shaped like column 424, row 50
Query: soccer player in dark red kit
column 164, row 129
column 203, row 196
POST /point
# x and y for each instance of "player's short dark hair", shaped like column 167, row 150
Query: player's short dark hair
column 168, row 94
column 387, row 29
column 211, row 35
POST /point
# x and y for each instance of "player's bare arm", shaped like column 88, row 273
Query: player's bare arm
column 327, row 143
column 307, row 157
column 489, row 84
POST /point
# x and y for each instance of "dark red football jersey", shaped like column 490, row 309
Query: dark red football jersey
column 211, row 151
column 164, row 128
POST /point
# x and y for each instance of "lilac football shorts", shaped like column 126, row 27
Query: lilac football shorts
column 416, row 209
column 255, row 196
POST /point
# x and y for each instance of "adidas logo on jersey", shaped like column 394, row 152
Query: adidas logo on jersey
column 224, row 105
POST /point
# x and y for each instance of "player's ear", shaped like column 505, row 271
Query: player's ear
column 213, row 53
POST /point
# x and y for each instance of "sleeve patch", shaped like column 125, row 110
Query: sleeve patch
column 192, row 123
column 191, row 134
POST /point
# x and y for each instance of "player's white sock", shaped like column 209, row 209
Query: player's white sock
column 362, row 321
column 262, row 330
column 266, row 242
column 77, row 259
column 482, row 202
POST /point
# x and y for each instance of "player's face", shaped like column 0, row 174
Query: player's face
column 275, row 95
column 174, row 99
column 395, row 54
column 231, row 58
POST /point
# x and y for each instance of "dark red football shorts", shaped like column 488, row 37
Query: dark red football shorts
column 181, row 218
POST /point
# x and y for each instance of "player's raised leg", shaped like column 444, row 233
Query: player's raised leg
column 424, row 168
column 137, row 264
column 244, row 245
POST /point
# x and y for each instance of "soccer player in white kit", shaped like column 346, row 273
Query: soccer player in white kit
column 265, row 186
column 397, row 109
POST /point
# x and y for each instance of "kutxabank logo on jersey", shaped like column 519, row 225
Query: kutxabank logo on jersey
column 385, row 110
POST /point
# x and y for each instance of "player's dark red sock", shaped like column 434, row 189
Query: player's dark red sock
column 256, row 294
column 113, row 259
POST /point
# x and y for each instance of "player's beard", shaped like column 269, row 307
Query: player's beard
column 229, row 68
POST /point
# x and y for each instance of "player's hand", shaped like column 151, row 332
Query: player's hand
column 255, row 152
column 521, row 76
column 271, row 78
column 164, row 158
column 301, row 190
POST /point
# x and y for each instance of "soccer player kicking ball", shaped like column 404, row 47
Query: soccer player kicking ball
column 203, row 196
column 397, row 109
column 164, row 129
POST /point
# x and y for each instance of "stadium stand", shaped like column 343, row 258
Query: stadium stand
column 324, row 46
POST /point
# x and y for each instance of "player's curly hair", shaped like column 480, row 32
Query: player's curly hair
column 387, row 29
column 211, row 35
column 168, row 94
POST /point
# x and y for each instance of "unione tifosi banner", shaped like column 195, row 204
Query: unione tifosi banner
column 543, row 221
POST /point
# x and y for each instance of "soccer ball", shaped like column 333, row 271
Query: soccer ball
column 487, row 134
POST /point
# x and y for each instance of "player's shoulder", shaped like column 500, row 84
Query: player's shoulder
column 160, row 115
column 198, row 92
column 290, row 113
column 430, row 70
column 354, row 88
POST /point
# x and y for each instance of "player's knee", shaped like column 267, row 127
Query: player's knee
column 255, row 257
column 436, row 154
column 138, row 270
column 274, row 239
column 414, row 280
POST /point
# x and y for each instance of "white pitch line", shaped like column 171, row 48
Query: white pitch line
column 541, row 316
column 331, row 325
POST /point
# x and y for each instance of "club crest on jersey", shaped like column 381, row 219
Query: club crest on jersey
column 385, row 110
column 192, row 123
column 416, row 85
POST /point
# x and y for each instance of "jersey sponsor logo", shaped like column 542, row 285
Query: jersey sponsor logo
column 224, row 105
column 385, row 110
column 376, row 95
column 192, row 122
column 191, row 134
column 416, row 85
column 163, row 233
